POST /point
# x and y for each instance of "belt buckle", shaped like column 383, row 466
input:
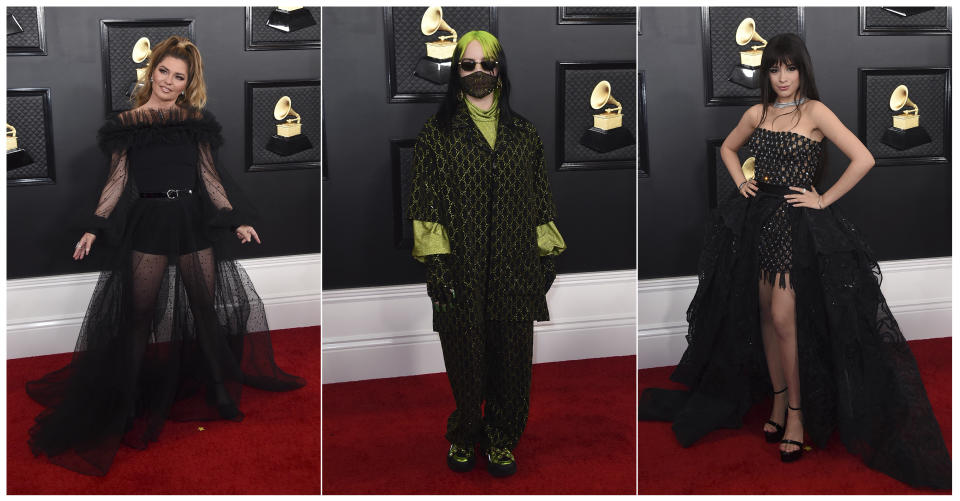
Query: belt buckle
column 172, row 194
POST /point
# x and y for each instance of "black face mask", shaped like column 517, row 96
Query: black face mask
column 478, row 84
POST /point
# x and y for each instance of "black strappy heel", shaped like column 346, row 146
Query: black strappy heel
column 788, row 457
column 775, row 436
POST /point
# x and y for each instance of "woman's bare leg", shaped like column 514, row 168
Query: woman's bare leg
column 783, row 309
column 771, row 348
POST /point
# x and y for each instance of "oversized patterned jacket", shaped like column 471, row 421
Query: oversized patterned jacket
column 490, row 202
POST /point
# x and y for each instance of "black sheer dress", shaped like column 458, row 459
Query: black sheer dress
column 857, row 374
column 174, row 327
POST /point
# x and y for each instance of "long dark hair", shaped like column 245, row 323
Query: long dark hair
column 789, row 49
column 454, row 96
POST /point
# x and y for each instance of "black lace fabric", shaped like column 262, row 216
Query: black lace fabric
column 858, row 376
column 174, row 328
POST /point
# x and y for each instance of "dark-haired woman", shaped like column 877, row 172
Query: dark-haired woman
column 789, row 300
column 483, row 221
column 174, row 327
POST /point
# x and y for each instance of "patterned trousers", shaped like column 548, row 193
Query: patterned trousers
column 489, row 367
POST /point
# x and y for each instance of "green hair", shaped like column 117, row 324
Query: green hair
column 490, row 44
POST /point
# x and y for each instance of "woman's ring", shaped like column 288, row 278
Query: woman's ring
column 804, row 190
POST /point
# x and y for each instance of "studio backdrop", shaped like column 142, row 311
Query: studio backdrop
column 70, row 67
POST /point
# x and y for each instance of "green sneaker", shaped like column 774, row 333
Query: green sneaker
column 460, row 459
column 500, row 462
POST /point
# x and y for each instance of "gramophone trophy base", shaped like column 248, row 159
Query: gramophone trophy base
column 607, row 121
column 13, row 27
column 18, row 158
column 603, row 141
column 290, row 21
column 434, row 70
column 905, row 121
column 286, row 146
column 440, row 49
column 134, row 87
column 745, row 76
column 900, row 139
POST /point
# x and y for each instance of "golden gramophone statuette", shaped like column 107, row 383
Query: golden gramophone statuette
column 140, row 54
column 607, row 133
column 288, row 139
column 746, row 74
column 436, row 65
column 749, row 168
column 16, row 157
column 906, row 131
column 289, row 19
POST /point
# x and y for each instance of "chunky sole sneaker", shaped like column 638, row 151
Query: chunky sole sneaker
column 500, row 463
column 460, row 459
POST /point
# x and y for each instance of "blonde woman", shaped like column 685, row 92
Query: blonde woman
column 174, row 328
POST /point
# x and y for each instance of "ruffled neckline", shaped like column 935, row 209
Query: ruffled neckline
column 139, row 127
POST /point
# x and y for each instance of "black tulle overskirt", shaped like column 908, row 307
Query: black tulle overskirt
column 173, row 331
column 858, row 376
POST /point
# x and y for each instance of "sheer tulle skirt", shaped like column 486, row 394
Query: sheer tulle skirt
column 857, row 373
column 171, row 332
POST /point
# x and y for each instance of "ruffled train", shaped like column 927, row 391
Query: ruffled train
column 857, row 373
column 174, row 328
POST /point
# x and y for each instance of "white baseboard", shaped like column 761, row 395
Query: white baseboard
column 44, row 314
column 918, row 292
column 379, row 332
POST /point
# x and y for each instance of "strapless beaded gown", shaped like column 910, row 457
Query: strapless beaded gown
column 858, row 376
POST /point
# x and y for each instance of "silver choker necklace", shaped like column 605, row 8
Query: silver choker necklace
column 791, row 103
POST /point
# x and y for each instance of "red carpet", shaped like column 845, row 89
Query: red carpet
column 275, row 450
column 741, row 462
column 385, row 436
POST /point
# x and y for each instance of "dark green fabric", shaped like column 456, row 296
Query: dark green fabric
column 439, row 287
column 490, row 200
column 489, row 365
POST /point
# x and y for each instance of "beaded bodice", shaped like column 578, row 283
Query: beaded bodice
column 784, row 158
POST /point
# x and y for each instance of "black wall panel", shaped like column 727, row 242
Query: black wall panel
column 596, row 208
column 902, row 210
column 41, row 220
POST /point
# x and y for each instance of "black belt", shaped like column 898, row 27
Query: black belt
column 169, row 194
column 775, row 189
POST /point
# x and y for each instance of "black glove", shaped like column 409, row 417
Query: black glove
column 549, row 272
column 439, row 281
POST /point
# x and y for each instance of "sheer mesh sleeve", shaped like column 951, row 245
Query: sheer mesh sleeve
column 211, row 179
column 226, row 207
column 108, row 218
column 116, row 182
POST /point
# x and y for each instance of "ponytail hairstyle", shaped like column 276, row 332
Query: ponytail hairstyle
column 454, row 96
column 195, row 94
